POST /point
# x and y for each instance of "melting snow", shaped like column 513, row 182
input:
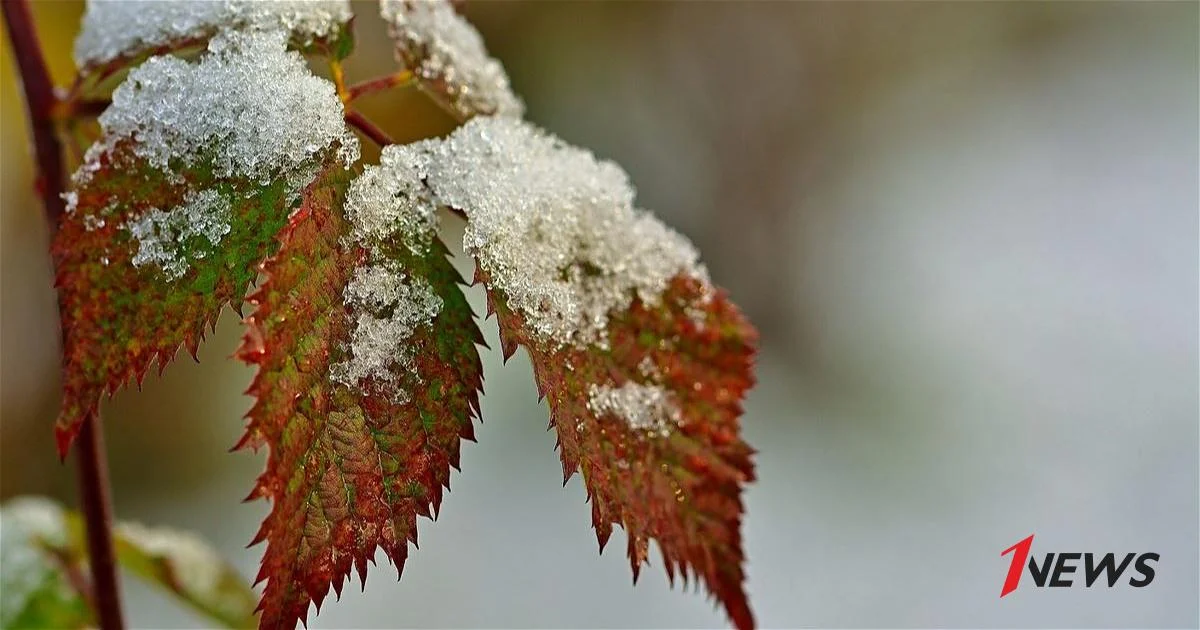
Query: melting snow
column 447, row 54
column 391, row 199
column 115, row 28
column 235, row 111
column 238, row 108
column 644, row 407
column 555, row 228
column 169, row 239
column 385, row 202
column 391, row 306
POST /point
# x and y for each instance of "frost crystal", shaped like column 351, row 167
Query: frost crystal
column 116, row 28
column 391, row 199
column 249, row 107
column 644, row 407
column 170, row 239
column 555, row 228
column 391, row 307
column 447, row 54
column 385, row 202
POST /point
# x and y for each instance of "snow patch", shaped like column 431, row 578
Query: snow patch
column 391, row 199
column 554, row 228
column 171, row 239
column 249, row 107
column 447, row 54
column 117, row 28
column 391, row 306
column 647, row 408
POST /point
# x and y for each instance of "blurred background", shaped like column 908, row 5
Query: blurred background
column 967, row 231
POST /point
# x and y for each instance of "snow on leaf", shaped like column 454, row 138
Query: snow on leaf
column 448, row 57
column 555, row 228
column 188, row 568
column 652, row 423
column 199, row 165
column 368, row 379
column 644, row 362
column 44, row 554
column 116, row 30
column 36, row 590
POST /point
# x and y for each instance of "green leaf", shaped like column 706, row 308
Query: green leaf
column 40, row 585
column 45, row 575
column 368, row 380
column 189, row 569
column 199, row 167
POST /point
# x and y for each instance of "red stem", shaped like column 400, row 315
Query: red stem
column 358, row 121
column 41, row 102
column 404, row 77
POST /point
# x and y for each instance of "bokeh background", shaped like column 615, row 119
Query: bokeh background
column 967, row 231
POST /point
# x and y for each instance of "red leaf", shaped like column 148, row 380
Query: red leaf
column 177, row 204
column 677, row 478
column 350, row 466
column 119, row 318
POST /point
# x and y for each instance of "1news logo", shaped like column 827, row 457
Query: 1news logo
column 1060, row 567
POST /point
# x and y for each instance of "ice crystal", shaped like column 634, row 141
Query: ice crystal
column 447, row 54
column 646, row 408
column 115, row 28
column 390, row 306
column 249, row 107
column 169, row 239
column 555, row 228
column 391, row 199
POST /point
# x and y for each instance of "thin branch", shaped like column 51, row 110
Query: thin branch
column 89, row 108
column 369, row 129
column 97, row 510
column 41, row 103
column 339, row 79
column 398, row 79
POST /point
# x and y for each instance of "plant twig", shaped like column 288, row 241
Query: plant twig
column 358, row 121
column 97, row 511
column 398, row 79
column 89, row 108
column 41, row 103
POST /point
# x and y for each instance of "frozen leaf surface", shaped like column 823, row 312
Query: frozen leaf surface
column 643, row 361
column 448, row 57
column 198, row 168
column 120, row 29
column 368, row 380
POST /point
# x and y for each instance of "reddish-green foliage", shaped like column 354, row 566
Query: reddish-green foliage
column 350, row 468
column 682, row 490
column 357, row 453
column 119, row 318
